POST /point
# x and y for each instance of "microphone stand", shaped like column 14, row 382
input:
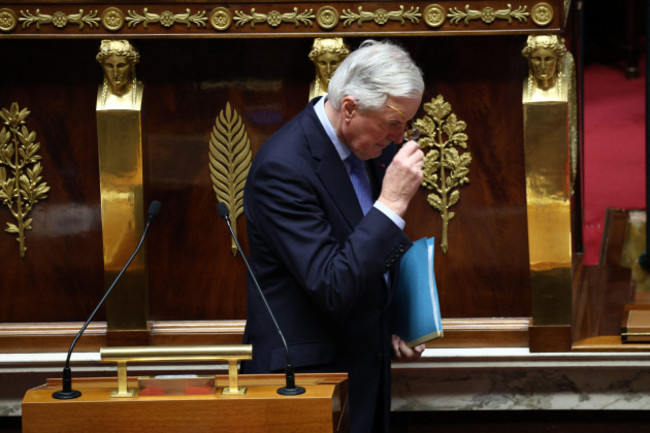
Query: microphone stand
column 67, row 393
column 290, row 388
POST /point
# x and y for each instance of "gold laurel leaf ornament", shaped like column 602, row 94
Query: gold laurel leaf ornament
column 230, row 161
column 446, row 165
column 21, row 180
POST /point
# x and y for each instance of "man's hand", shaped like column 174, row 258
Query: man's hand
column 401, row 352
column 403, row 177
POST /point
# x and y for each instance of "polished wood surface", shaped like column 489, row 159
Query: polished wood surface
column 322, row 408
column 602, row 292
column 56, row 337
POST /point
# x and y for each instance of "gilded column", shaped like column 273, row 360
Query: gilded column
column 550, row 158
column 119, row 136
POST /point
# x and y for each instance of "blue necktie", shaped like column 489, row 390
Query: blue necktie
column 360, row 183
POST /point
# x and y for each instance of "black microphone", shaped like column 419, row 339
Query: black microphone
column 67, row 393
column 290, row 388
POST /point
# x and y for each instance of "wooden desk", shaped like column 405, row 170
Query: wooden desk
column 322, row 408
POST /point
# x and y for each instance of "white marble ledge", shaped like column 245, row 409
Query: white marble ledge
column 431, row 358
column 515, row 379
column 443, row 379
column 522, row 357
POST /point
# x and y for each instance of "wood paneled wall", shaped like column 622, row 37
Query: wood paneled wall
column 193, row 275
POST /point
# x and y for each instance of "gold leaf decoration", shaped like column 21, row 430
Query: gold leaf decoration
column 230, row 161
column 380, row 16
column 21, row 183
column 488, row 14
column 446, row 168
column 275, row 18
column 166, row 19
column 59, row 19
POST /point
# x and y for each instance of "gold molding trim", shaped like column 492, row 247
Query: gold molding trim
column 488, row 15
column 327, row 17
column 113, row 19
column 275, row 18
column 59, row 19
column 434, row 15
column 19, row 154
column 230, row 161
column 542, row 14
column 220, row 19
column 8, row 20
column 166, row 19
column 445, row 168
column 380, row 16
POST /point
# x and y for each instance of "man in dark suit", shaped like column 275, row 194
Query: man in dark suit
column 325, row 250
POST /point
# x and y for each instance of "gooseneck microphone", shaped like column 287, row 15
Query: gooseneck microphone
column 290, row 388
column 67, row 393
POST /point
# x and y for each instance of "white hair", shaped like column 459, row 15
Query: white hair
column 373, row 72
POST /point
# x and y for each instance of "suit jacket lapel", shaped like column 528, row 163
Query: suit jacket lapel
column 332, row 171
column 330, row 168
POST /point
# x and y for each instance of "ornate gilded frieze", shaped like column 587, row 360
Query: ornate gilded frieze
column 59, row 19
column 274, row 18
column 265, row 17
column 446, row 163
column 381, row 16
column 166, row 18
column 21, row 183
column 230, row 160
column 488, row 14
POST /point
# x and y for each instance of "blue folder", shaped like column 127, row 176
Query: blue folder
column 416, row 310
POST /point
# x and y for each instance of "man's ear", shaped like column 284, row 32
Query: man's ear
column 348, row 107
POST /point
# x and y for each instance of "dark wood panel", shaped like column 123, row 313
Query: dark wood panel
column 60, row 278
column 57, row 337
column 193, row 272
column 486, row 269
column 603, row 291
column 193, row 275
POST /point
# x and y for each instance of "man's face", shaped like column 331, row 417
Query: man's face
column 368, row 133
column 118, row 73
column 326, row 64
column 544, row 63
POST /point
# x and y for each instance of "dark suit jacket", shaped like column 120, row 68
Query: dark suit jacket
column 321, row 265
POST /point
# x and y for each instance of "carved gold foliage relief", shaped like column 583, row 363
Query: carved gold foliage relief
column 60, row 19
column 488, row 15
column 380, row 16
column 327, row 17
column 21, row 183
column 230, row 161
column 275, row 18
column 446, row 166
column 166, row 18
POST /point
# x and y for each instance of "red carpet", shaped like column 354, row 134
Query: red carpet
column 614, row 149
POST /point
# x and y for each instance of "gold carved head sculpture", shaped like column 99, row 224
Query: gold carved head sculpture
column 118, row 59
column 544, row 54
column 327, row 54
